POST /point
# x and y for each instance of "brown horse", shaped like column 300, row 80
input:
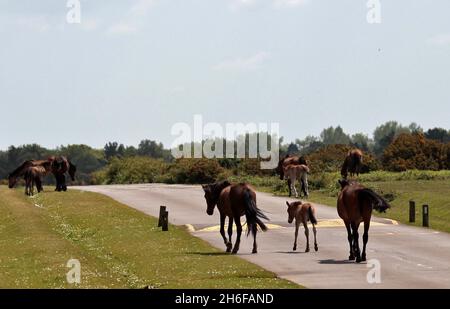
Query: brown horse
column 292, row 173
column 234, row 201
column 352, row 163
column 302, row 213
column 33, row 177
column 58, row 165
column 288, row 160
column 354, row 205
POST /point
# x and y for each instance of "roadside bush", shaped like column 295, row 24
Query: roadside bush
column 193, row 171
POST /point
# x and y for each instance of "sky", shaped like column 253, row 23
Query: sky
column 130, row 70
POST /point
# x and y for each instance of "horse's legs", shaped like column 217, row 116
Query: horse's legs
column 63, row 183
column 39, row 184
column 237, row 221
column 316, row 247
column 305, row 185
column 350, row 240
column 230, row 233
column 305, row 224
column 289, row 186
column 365, row 238
column 295, row 189
column 355, row 227
column 297, row 225
column 58, row 182
column 255, row 245
column 222, row 229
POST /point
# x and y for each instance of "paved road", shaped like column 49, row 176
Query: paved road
column 410, row 257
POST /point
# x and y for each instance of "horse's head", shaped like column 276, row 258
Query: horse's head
column 72, row 171
column 12, row 180
column 292, row 210
column 344, row 183
column 212, row 193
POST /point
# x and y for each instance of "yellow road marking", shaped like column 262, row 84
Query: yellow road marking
column 320, row 224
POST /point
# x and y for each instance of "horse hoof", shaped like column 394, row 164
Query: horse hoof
column 351, row 258
column 363, row 258
column 295, row 248
column 307, row 250
column 316, row 248
column 358, row 259
column 254, row 251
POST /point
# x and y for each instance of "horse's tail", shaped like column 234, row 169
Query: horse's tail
column 377, row 202
column 253, row 214
column 312, row 218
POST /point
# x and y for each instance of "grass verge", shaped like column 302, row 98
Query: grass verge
column 117, row 246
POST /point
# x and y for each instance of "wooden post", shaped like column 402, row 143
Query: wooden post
column 412, row 211
column 425, row 215
column 165, row 221
column 162, row 210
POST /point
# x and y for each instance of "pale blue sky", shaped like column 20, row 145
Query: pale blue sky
column 132, row 69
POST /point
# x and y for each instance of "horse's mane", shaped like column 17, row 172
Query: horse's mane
column 18, row 171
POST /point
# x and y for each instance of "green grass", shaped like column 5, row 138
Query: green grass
column 118, row 247
column 424, row 187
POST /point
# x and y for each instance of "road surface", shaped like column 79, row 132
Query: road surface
column 409, row 257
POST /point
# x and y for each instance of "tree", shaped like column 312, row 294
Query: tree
column 361, row 141
column 113, row 150
column 438, row 134
column 385, row 135
column 334, row 136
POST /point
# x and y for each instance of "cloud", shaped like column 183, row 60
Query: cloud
column 277, row 4
column 122, row 28
column 442, row 39
column 135, row 16
column 36, row 23
column 243, row 64
column 141, row 7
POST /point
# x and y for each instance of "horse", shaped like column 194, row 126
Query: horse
column 354, row 205
column 33, row 176
column 294, row 172
column 58, row 165
column 234, row 201
column 287, row 160
column 352, row 163
column 302, row 213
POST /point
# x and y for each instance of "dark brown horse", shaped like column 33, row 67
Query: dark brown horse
column 33, row 177
column 354, row 205
column 352, row 163
column 58, row 165
column 290, row 160
column 234, row 201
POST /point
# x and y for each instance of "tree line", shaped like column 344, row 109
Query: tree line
column 392, row 147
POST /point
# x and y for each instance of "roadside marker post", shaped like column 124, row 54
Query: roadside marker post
column 165, row 221
column 162, row 210
column 425, row 216
column 412, row 211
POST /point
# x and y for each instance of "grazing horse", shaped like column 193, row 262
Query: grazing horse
column 287, row 160
column 33, row 176
column 354, row 205
column 58, row 166
column 302, row 213
column 294, row 172
column 234, row 201
column 352, row 163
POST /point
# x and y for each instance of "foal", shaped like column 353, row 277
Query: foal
column 32, row 177
column 302, row 214
column 292, row 173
